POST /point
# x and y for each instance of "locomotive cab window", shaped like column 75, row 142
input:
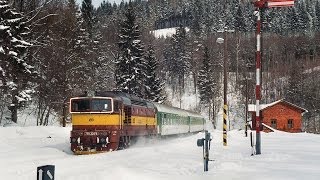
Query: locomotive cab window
column 101, row 105
column 91, row 105
column 80, row 105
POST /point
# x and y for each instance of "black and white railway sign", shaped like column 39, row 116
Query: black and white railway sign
column 45, row 172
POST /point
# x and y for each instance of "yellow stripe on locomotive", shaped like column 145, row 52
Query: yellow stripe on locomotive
column 110, row 119
column 95, row 119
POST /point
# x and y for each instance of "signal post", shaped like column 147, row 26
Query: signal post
column 261, row 4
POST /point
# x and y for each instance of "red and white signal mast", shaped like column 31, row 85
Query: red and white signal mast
column 261, row 4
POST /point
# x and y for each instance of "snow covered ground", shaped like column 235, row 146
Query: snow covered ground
column 168, row 32
column 284, row 156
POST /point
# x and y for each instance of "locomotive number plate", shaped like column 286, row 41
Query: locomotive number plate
column 91, row 133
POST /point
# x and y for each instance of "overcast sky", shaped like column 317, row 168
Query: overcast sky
column 97, row 3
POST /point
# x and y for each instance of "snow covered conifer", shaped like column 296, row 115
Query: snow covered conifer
column 240, row 24
column 178, row 57
column 128, row 73
column 205, row 82
column 197, row 19
column 294, row 89
column 317, row 15
column 207, row 85
column 153, row 85
column 15, row 70
column 94, row 52
column 87, row 14
column 183, row 55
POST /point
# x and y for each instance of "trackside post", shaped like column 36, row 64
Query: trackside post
column 205, row 143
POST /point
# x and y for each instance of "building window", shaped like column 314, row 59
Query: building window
column 290, row 123
column 274, row 123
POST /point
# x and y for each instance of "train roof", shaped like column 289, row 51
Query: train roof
column 129, row 99
column 126, row 98
column 174, row 110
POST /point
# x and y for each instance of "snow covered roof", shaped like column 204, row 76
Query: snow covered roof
column 252, row 107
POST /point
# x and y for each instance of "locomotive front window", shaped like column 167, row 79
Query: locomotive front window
column 80, row 105
column 101, row 105
column 91, row 105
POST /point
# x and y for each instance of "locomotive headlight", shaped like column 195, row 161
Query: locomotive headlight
column 103, row 140
column 78, row 140
column 73, row 140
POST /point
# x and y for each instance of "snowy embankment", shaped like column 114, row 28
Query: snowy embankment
column 284, row 156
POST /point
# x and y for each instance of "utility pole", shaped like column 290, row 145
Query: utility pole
column 225, row 78
column 225, row 84
column 225, row 81
column 247, row 94
column 64, row 115
column 225, row 75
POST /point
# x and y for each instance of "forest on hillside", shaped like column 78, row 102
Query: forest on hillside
column 51, row 50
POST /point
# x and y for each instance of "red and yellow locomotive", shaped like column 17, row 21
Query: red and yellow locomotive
column 108, row 121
